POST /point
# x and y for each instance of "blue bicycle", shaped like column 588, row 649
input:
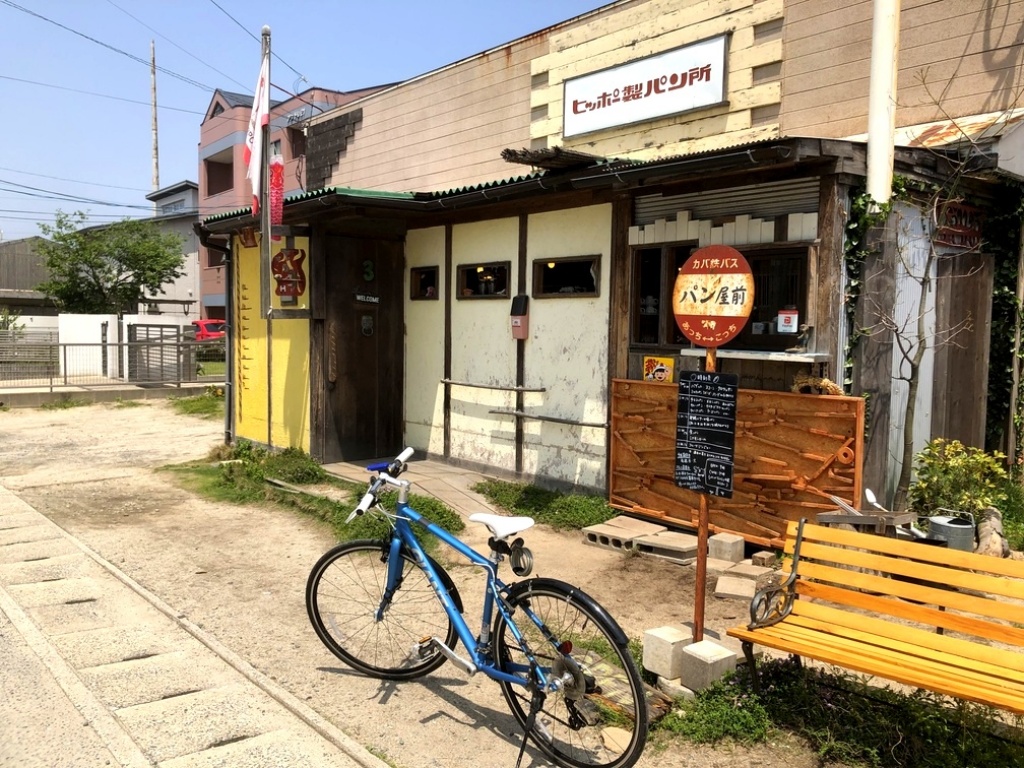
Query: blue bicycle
column 389, row 610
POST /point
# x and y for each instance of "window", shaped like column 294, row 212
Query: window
column 654, row 276
column 296, row 142
column 423, row 283
column 484, row 281
column 219, row 177
column 578, row 276
column 177, row 205
column 275, row 147
column 780, row 283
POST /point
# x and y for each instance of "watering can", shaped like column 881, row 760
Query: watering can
column 956, row 529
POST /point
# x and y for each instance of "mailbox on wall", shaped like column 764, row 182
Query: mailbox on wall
column 520, row 317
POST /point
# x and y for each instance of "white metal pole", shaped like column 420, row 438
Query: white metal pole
column 885, row 33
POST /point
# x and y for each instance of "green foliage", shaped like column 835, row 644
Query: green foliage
column 240, row 476
column 209, row 404
column 108, row 269
column 1012, row 508
column 725, row 710
column 850, row 722
column 561, row 511
column 952, row 475
column 10, row 320
column 63, row 404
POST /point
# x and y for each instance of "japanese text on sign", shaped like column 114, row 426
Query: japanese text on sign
column 687, row 78
column 706, row 432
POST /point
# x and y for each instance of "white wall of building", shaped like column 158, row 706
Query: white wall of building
column 567, row 352
column 424, row 346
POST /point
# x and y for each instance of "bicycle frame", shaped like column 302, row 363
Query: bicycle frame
column 479, row 649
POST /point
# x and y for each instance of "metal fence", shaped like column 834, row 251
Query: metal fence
column 36, row 359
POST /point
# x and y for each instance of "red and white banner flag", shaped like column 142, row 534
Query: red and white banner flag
column 252, row 154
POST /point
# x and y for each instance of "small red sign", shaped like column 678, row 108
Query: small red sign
column 713, row 295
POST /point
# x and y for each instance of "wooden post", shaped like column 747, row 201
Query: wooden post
column 703, row 523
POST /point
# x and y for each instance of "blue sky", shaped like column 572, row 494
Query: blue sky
column 75, row 80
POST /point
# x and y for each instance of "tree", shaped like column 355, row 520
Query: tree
column 107, row 269
column 10, row 319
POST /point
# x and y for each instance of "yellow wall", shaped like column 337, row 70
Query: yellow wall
column 268, row 390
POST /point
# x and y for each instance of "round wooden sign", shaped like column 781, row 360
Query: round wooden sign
column 713, row 295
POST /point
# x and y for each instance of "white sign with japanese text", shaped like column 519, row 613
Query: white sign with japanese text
column 680, row 80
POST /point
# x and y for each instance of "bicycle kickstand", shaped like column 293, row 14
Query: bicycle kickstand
column 536, row 702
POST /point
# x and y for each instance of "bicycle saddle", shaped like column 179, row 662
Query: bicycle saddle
column 501, row 526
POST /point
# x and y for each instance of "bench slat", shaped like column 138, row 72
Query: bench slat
column 817, row 646
column 870, row 583
column 921, row 614
column 969, row 561
column 972, row 580
column 909, row 641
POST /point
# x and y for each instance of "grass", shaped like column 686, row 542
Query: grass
column 239, row 475
column 64, row 403
column 210, row 404
column 559, row 510
column 212, row 368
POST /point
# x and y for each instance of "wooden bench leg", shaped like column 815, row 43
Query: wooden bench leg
column 748, row 653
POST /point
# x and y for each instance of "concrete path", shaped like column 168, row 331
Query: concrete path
column 97, row 671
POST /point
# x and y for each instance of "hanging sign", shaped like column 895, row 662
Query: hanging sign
column 713, row 295
column 706, row 432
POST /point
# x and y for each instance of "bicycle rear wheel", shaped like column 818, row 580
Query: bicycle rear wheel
column 599, row 715
column 344, row 593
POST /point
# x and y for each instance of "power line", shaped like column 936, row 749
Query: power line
column 100, row 95
column 258, row 40
column 164, row 37
column 75, row 181
column 131, row 56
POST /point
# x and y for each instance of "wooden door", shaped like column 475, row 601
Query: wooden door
column 364, row 342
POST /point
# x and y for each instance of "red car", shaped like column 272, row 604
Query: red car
column 208, row 329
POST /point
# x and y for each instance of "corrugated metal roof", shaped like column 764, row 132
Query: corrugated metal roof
column 482, row 186
column 368, row 194
column 942, row 133
column 763, row 201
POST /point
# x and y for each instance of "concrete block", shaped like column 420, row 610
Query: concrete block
column 674, row 688
column 681, row 547
column 619, row 532
column 765, row 559
column 756, row 573
column 716, row 567
column 737, row 588
column 663, row 650
column 704, row 663
column 726, row 546
column 634, row 235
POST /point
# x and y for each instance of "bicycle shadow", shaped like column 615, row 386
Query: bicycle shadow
column 497, row 721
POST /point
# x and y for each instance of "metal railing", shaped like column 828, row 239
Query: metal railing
column 25, row 362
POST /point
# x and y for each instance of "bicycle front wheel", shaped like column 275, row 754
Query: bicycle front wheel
column 598, row 716
column 381, row 638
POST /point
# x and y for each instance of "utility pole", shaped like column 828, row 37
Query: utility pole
column 156, row 145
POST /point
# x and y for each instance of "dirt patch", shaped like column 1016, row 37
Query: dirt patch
column 239, row 572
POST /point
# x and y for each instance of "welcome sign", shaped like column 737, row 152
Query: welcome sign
column 680, row 80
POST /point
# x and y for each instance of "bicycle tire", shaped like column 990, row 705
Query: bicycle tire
column 599, row 717
column 344, row 592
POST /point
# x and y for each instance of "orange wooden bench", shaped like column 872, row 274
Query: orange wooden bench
column 944, row 620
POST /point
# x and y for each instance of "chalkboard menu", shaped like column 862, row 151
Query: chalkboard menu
column 706, row 432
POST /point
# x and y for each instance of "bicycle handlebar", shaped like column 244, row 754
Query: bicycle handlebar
column 386, row 474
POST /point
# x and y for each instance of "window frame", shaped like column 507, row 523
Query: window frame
column 541, row 264
column 415, row 285
column 463, row 270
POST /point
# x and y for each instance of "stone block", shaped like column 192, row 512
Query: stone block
column 704, row 663
column 765, row 559
column 663, row 650
column 726, row 546
column 755, row 573
column 733, row 587
column 717, row 567
column 674, row 688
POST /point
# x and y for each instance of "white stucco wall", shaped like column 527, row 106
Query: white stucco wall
column 483, row 350
column 567, row 352
column 424, row 346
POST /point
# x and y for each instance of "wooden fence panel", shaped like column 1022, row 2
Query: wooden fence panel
column 792, row 452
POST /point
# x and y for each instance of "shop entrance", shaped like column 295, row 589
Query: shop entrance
column 363, row 345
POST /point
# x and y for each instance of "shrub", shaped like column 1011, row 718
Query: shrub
column 952, row 475
column 572, row 511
